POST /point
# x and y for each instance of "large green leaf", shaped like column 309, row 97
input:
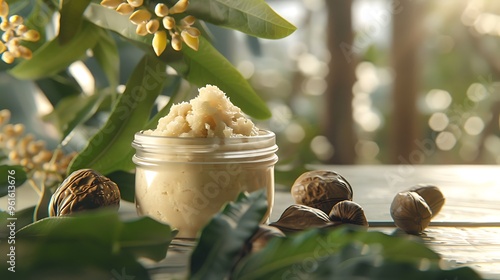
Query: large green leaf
column 92, row 245
column 253, row 17
column 345, row 253
column 110, row 149
column 208, row 66
column 71, row 18
column 224, row 236
column 110, row 19
column 151, row 243
column 12, row 176
column 53, row 58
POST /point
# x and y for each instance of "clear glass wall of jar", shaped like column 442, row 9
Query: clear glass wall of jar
column 185, row 181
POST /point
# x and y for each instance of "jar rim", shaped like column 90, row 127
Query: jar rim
column 263, row 135
column 217, row 147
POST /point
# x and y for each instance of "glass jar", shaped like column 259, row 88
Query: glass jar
column 185, row 181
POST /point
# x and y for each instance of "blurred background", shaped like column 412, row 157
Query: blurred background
column 359, row 82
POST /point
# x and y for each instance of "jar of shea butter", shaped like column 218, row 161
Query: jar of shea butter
column 184, row 181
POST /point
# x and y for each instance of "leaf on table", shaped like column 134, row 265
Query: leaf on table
column 253, row 17
column 208, row 66
column 11, row 175
column 110, row 148
column 223, row 238
column 95, row 242
column 345, row 253
column 71, row 18
column 52, row 58
column 146, row 238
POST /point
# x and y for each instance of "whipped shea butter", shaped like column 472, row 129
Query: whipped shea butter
column 200, row 156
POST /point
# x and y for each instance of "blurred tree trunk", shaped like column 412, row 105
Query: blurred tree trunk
column 406, row 44
column 338, row 125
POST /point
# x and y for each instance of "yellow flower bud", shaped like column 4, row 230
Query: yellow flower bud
column 140, row 16
column 152, row 26
column 161, row 10
column 5, row 25
column 9, row 34
column 21, row 29
column 2, row 47
column 7, row 57
column 16, row 20
column 135, row 3
column 141, row 29
column 192, row 41
column 176, row 42
column 31, row 35
column 188, row 21
column 159, row 42
column 25, row 52
column 124, row 9
column 193, row 31
column 4, row 9
column 111, row 3
column 179, row 7
column 168, row 23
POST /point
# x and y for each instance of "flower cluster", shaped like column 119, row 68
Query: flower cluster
column 161, row 23
column 23, row 149
column 14, row 32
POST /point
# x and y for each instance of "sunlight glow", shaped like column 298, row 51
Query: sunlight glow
column 474, row 125
column 438, row 99
column 438, row 121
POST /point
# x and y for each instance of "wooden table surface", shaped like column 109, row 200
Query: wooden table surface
column 465, row 233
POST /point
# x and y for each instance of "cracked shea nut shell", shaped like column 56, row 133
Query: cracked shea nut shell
column 300, row 217
column 432, row 195
column 410, row 212
column 321, row 189
column 82, row 190
column 348, row 212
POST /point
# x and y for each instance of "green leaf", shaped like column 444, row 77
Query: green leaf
column 71, row 18
column 208, row 66
column 53, row 58
column 89, row 245
column 345, row 253
column 106, row 54
column 110, row 19
column 110, row 149
column 74, row 110
column 253, row 17
column 224, row 236
column 22, row 218
column 11, row 176
column 126, row 184
column 146, row 238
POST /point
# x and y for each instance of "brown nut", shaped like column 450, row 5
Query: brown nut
column 262, row 236
column 432, row 195
column 84, row 189
column 321, row 189
column 300, row 217
column 410, row 212
column 348, row 212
